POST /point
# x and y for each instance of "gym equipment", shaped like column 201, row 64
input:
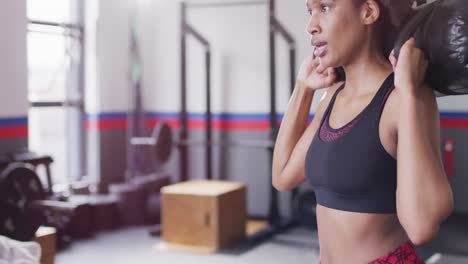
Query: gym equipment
column 24, row 208
column 47, row 238
column 162, row 140
column 25, row 205
column 135, row 113
column 275, row 27
column 441, row 31
column 138, row 200
column 276, row 223
column 72, row 219
column 33, row 160
column 102, row 213
column 20, row 187
column 151, row 186
column 130, row 203
column 204, row 213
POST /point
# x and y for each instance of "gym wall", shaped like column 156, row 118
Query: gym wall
column 13, row 76
column 107, row 88
column 240, row 84
column 454, row 144
column 240, row 81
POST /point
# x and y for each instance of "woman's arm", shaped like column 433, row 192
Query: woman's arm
column 424, row 195
column 293, row 138
column 287, row 168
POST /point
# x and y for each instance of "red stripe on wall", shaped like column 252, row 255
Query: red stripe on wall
column 106, row 124
column 453, row 123
column 14, row 132
column 152, row 122
column 217, row 124
column 241, row 125
column 254, row 125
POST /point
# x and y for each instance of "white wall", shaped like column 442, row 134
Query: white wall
column 107, row 51
column 91, row 82
column 13, row 63
column 240, row 69
column 240, row 63
column 457, row 103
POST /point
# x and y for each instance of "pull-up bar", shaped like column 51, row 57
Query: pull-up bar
column 56, row 24
column 190, row 30
column 278, row 27
column 226, row 4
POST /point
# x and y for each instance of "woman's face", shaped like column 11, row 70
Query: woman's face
column 336, row 29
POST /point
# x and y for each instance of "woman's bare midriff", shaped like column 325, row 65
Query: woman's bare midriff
column 357, row 238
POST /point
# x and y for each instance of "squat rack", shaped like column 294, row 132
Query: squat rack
column 275, row 27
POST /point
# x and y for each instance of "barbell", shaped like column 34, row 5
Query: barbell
column 163, row 141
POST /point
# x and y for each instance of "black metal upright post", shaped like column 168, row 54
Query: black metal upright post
column 187, row 29
column 273, row 216
column 183, row 149
column 209, row 127
column 279, row 28
column 292, row 80
column 81, row 79
column 292, row 68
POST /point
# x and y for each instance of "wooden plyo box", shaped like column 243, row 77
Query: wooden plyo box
column 204, row 214
column 46, row 237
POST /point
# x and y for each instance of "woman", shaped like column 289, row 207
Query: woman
column 370, row 208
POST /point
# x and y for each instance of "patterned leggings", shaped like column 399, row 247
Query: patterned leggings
column 405, row 254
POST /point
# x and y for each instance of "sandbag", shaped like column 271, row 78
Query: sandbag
column 441, row 32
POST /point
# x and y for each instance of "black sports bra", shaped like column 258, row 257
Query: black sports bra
column 348, row 167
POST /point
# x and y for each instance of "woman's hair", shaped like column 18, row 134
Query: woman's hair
column 393, row 14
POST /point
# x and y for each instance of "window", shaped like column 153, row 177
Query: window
column 55, row 86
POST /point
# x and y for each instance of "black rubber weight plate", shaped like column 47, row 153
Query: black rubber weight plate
column 19, row 187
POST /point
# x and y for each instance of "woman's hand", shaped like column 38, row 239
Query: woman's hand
column 314, row 76
column 410, row 68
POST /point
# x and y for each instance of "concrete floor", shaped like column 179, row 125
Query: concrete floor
column 298, row 245
column 134, row 245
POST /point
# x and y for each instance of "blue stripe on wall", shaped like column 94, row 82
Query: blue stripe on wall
column 14, row 121
column 216, row 116
column 107, row 115
column 454, row 114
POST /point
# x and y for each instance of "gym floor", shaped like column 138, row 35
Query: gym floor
column 135, row 245
column 298, row 245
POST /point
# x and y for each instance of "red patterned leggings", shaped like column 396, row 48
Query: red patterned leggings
column 405, row 254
